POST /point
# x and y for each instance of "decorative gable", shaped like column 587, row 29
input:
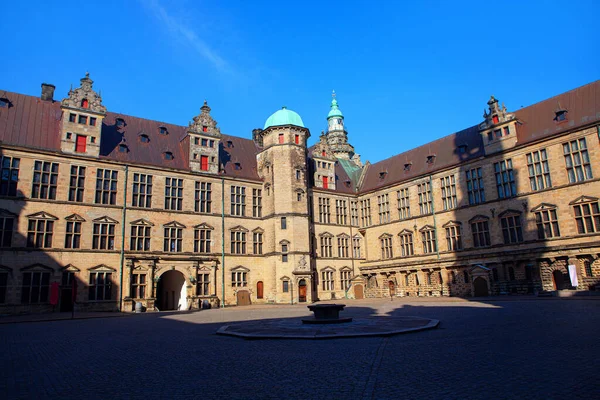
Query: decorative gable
column 478, row 218
column 70, row 268
column 204, row 142
column 105, row 220
column 405, row 232
column 583, row 199
column 102, row 268
column 508, row 213
column 240, row 268
column 385, row 235
column 42, row 215
column 37, row 267
column 426, row 228
column 543, row 206
column 142, row 222
column 75, row 218
column 452, row 223
column 174, row 224
column 203, row 225
column 84, row 97
column 6, row 214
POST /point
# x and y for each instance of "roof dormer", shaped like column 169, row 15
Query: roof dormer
column 499, row 129
column 205, row 138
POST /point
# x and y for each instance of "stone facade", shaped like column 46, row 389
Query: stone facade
column 172, row 237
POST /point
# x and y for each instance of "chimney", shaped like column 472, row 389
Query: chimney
column 48, row 92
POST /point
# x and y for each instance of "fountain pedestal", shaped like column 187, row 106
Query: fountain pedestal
column 326, row 314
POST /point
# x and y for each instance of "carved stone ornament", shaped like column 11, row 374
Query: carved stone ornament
column 77, row 97
column 302, row 264
column 323, row 146
column 204, row 124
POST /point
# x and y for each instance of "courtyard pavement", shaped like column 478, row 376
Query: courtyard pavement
column 492, row 349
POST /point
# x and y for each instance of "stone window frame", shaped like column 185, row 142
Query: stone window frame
column 144, row 227
column 73, row 230
column 203, row 281
column 365, row 213
column 539, row 170
column 105, row 288
column 141, row 190
column 387, row 246
column 256, row 202
column 403, row 197
column 257, row 241
column 343, row 245
column 448, row 192
column 285, row 248
column 103, row 233
column 511, row 226
column 429, row 240
column 345, row 278
column 586, row 211
column 238, row 201
column 506, row 185
column 324, row 210
column 425, row 198
column 453, row 235
column 328, row 279
column 174, row 193
column 326, row 240
column 106, row 186
column 383, row 206
column 407, row 248
column 7, row 229
column 44, row 183
column 43, row 274
column 480, row 230
column 9, row 176
column 77, row 183
column 138, row 285
column 203, row 197
column 341, row 211
column 173, row 237
column 40, row 230
column 239, row 277
column 577, row 160
column 475, row 186
column 354, row 212
column 203, row 238
column 546, row 221
column 238, row 240
column 356, row 246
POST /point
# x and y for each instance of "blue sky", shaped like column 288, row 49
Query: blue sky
column 405, row 73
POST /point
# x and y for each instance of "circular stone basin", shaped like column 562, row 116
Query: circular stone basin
column 294, row 328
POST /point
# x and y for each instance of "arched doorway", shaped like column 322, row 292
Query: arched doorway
column 171, row 293
column 359, row 292
column 392, row 288
column 481, row 287
column 243, row 298
column 260, row 290
column 302, row 291
column 558, row 280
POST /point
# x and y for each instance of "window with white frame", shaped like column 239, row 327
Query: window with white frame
column 327, row 280
column 386, row 246
column 326, row 246
column 341, row 212
column 343, row 246
column 406, row 243
column 428, row 239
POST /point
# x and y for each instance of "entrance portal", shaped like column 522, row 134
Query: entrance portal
column 259, row 290
column 171, row 293
column 558, row 280
column 302, row 291
column 243, row 298
column 359, row 292
column 481, row 287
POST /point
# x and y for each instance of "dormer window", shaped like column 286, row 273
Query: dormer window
column 163, row 131
column 120, row 122
column 495, row 119
column 462, row 149
column 561, row 115
column 123, row 148
column 347, row 183
column 323, row 153
column 237, row 166
column 144, row 138
column 229, row 144
column 407, row 167
column 168, row 155
column 382, row 175
column 430, row 159
column 3, row 102
column 85, row 103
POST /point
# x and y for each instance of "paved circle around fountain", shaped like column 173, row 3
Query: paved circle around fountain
column 295, row 329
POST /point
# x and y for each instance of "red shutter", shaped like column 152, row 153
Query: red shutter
column 297, row 139
column 280, row 138
column 204, row 163
column 80, row 144
column 495, row 119
column 323, row 153
column 325, row 184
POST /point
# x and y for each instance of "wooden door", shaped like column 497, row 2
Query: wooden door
column 259, row 290
column 558, row 280
column 481, row 287
column 392, row 287
column 243, row 298
column 359, row 292
column 302, row 291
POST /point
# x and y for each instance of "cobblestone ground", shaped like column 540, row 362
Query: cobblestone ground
column 534, row 349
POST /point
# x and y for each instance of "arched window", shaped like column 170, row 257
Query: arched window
column 85, row 103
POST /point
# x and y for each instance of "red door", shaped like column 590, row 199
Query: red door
column 80, row 144
column 204, row 163
column 259, row 290
column 302, row 291
column 325, row 182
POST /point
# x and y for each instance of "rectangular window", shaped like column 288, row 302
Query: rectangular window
column 9, row 175
column 547, row 224
column 587, row 217
column 356, row 247
column 354, row 212
column 383, row 202
column 281, row 138
column 257, row 203
column 425, row 199
column 204, row 142
column 72, row 117
column 202, row 203
column 82, row 119
column 203, row 284
column 202, row 240
column 327, row 282
column 204, row 163
column 138, row 286
column 45, row 180
column 403, row 203
column 257, row 243
column 3, row 286
column 239, row 279
column 345, row 277
column 453, row 238
column 142, row 191
column 140, row 238
column 106, row 186
column 173, row 194
column 76, row 183
column 92, row 121
column 238, row 242
column 238, row 201
column 35, row 287
column 284, row 251
column 386, row 247
column 326, row 247
column 365, row 212
column 475, row 186
column 286, row 286
column 505, row 179
column 73, row 235
column 103, row 237
column 39, row 233
column 6, row 231
column 343, row 247
column 325, row 182
column 324, row 211
column 511, row 229
column 297, row 139
column 577, row 160
column 481, row 233
column 406, row 244
column 100, row 287
column 80, row 144
column 173, row 240
column 539, row 171
column 429, row 242
column 448, row 185
column 341, row 212
column 283, row 223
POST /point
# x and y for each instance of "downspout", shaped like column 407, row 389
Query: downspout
column 351, row 244
column 222, row 242
column 437, row 243
column 123, row 217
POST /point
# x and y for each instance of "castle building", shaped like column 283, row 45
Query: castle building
column 112, row 210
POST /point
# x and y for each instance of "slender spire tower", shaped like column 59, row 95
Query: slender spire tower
column 337, row 137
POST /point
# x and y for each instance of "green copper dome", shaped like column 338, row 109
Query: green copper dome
column 335, row 111
column 284, row 117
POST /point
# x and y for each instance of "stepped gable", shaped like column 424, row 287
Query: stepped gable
column 29, row 121
column 341, row 176
column 444, row 150
column 582, row 106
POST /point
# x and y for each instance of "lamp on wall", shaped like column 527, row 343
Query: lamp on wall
column 192, row 279
column 156, row 279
